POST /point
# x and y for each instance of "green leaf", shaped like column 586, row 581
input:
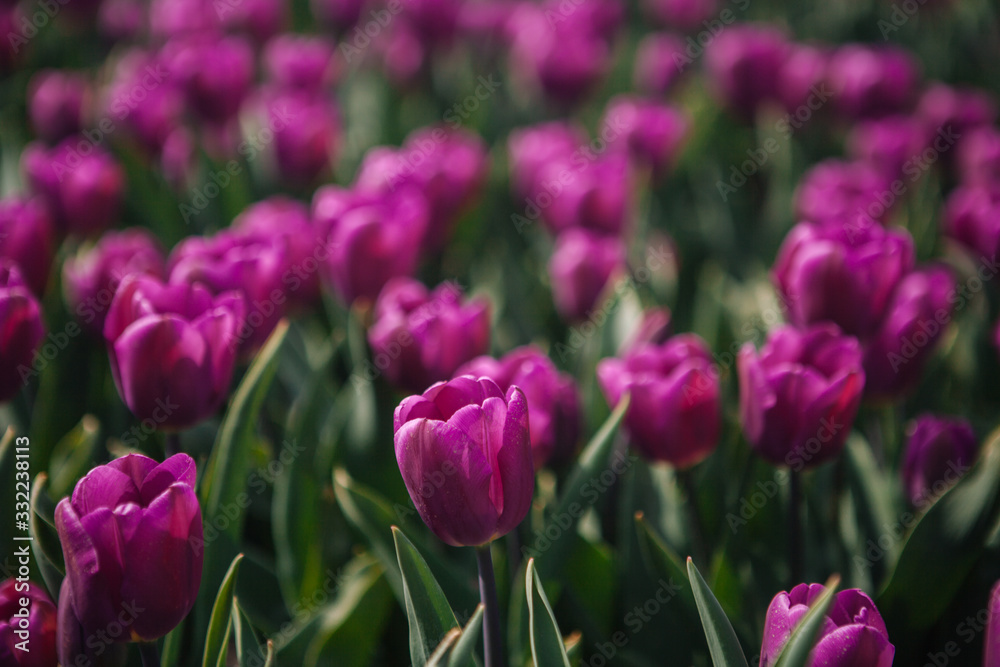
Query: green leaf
column 428, row 613
column 440, row 654
column 73, row 455
column 664, row 561
column 247, row 648
column 803, row 638
column 225, row 476
column 547, row 647
column 722, row 642
column 217, row 642
column 46, row 546
column 947, row 541
column 8, row 463
column 465, row 647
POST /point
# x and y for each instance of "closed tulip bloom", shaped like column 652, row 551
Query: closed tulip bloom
column 474, row 437
column 991, row 648
column 915, row 320
column 27, row 238
column 172, row 349
column 553, row 399
column 938, row 452
column 799, row 395
column 853, row 632
column 341, row 15
column 892, row 144
column 56, row 102
column 955, row 109
column 214, row 93
column 152, row 119
column 131, row 535
column 21, row 330
column 742, row 63
column 978, row 156
column 371, row 238
column 868, row 81
column 307, row 134
column 837, row 191
column 91, row 277
column 659, row 63
column 259, row 19
column 39, row 627
column 596, row 195
column 675, row 411
column 802, row 80
column 972, row 218
column 580, row 269
column 654, row 132
column 299, row 62
column 422, row 337
column 180, row 18
column 531, row 149
column 685, row 15
column 841, row 274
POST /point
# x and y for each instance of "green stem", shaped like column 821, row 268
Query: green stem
column 492, row 644
column 698, row 545
column 795, row 546
column 150, row 654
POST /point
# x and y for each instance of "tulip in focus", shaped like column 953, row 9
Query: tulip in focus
column 852, row 635
column 36, row 632
column 580, row 269
column 464, row 452
column 799, row 395
column 131, row 535
column 172, row 349
column 21, row 330
column 939, row 450
column 675, row 411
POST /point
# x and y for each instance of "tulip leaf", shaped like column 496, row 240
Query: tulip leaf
column 803, row 638
column 547, row 647
column 46, row 546
column 247, row 648
column 947, row 540
column 465, row 646
column 73, row 455
column 428, row 613
column 723, row 644
column 8, row 463
column 228, row 467
column 269, row 661
column 440, row 654
column 217, row 641
column 664, row 561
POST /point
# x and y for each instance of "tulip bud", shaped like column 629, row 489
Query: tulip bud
column 147, row 97
column 21, row 330
column 35, row 631
column 889, row 144
column 130, row 536
column 553, row 399
column 685, row 15
column 56, row 101
column 801, row 81
column 580, row 269
column 306, row 135
column 956, row 109
column 852, row 634
column 172, row 349
column 654, row 132
column 675, row 411
column 215, row 93
column 532, row 148
column 978, row 157
column 421, row 337
column 27, row 239
column 743, row 61
column 799, row 395
column 659, row 63
column 855, row 194
column 300, row 63
column 341, row 15
column 259, row 19
column 972, row 218
column 939, row 451
column 867, row 81
column 464, row 452
column 91, row 278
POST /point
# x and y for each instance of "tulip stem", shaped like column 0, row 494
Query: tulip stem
column 698, row 545
column 172, row 444
column 150, row 654
column 795, row 546
column 492, row 645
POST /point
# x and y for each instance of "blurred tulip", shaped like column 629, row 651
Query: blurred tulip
column 955, row 108
column 92, row 276
column 978, row 156
column 742, row 63
column 675, row 411
column 685, row 15
column 420, row 337
column 146, row 98
column 855, row 193
column 182, row 18
column 299, row 62
column 131, row 536
column 260, row 19
column 341, row 15
column 972, row 218
column 868, row 81
column 170, row 343
column 991, row 648
column 300, row 132
column 532, row 148
column 21, row 330
column 592, row 191
column 654, row 132
column 36, row 631
column 580, row 269
column 893, row 145
column 800, row 393
column 841, row 274
column 215, row 93
column 852, row 634
column 915, row 320
column 802, row 80
column 465, row 455
column 28, row 240
column 371, row 238
column 123, row 20
column 553, row 399
column 939, row 450
column 659, row 63
column 654, row 328
column 56, row 102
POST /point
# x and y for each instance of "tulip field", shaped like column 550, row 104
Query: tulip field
column 499, row 333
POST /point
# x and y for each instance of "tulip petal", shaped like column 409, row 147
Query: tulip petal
column 514, row 462
column 105, row 486
column 178, row 468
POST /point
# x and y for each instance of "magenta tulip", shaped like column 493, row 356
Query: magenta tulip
column 21, row 330
column 580, row 269
column 939, row 451
column 27, row 238
column 26, row 640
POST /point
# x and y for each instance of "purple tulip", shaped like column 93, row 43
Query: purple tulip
column 341, row 15
column 403, row 54
column 11, row 21
column 130, row 534
column 252, row 264
column 841, row 274
column 21, row 330
column 371, row 238
column 593, row 193
column 420, row 337
column 978, row 156
column 915, row 320
column 853, row 632
column 465, row 455
column 580, row 269
column 299, row 62
column 306, row 134
column 531, row 149
column 956, row 109
column 802, row 80
column 654, row 132
column 170, row 343
column 36, row 631
column 655, row 328
column 27, row 238
column 685, row 15
column 868, row 81
column 259, row 19
column 81, row 183
column 553, row 399
column 991, row 648
column 179, row 160
column 893, row 145
column 215, row 93
column 91, row 278
column 659, row 63
column 939, row 450
column 123, row 21
column 675, row 411
column 448, row 167
column 853, row 192
column 800, row 393
column 972, row 218
column 56, row 102
column 742, row 65
column 170, row 19
column 145, row 95
column 433, row 21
